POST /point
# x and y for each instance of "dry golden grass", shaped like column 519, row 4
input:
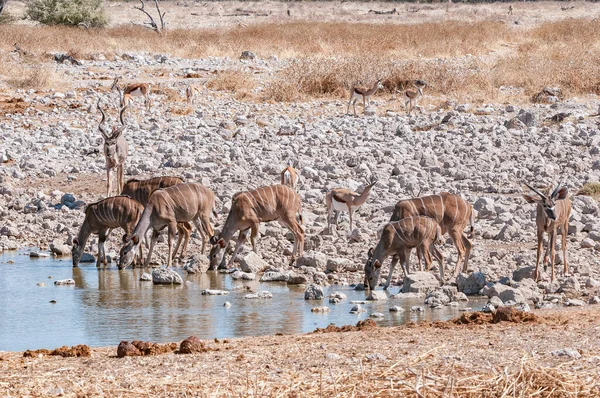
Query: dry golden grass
column 235, row 81
column 37, row 78
column 591, row 189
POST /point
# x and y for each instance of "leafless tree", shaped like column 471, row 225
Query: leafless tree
column 152, row 24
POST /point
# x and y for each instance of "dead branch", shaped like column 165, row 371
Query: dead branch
column 152, row 24
column 393, row 11
column 2, row 4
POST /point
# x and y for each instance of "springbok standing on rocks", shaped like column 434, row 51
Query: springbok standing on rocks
column 365, row 94
column 141, row 190
column 191, row 93
column 289, row 175
column 127, row 93
column 411, row 95
column 398, row 239
column 450, row 211
column 343, row 199
column 552, row 216
column 249, row 209
column 100, row 218
column 189, row 202
column 115, row 150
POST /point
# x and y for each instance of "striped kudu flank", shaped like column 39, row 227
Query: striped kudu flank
column 289, row 175
column 141, row 190
column 343, row 199
column 100, row 218
column 115, row 150
column 249, row 209
column 553, row 211
column 398, row 238
column 189, row 202
column 450, row 211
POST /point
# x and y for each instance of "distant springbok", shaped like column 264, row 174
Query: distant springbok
column 365, row 94
column 191, row 93
column 249, row 209
column 343, row 199
column 141, row 190
column 411, row 95
column 127, row 93
column 552, row 216
column 398, row 239
column 100, row 218
column 450, row 211
column 115, row 150
column 289, row 175
column 189, row 202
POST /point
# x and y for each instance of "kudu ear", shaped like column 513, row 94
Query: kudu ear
column 377, row 264
column 125, row 238
column 75, row 242
column 370, row 252
column 135, row 240
column 562, row 193
column 530, row 199
column 221, row 243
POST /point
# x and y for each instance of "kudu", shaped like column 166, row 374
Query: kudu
column 189, row 202
column 141, row 190
column 398, row 238
column 552, row 216
column 450, row 211
column 115, row 150
column 100, row 218
column 343, row 199
column 289, row 175
column 249, row 209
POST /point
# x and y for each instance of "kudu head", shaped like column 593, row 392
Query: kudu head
column 110, row 138
column 548, row 202
column 76, row 252
column 216, row 256
column 127, row 252
column 372, row 270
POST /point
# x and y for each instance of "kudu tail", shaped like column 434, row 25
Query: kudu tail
column 472, row 224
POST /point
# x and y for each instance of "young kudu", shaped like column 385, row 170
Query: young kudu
column 100, row 218
column 450, row 211
column 343, row 199
column 249, row 209
column 552, row 216
column 398, row 239
column 115, row 150
column 189, row 202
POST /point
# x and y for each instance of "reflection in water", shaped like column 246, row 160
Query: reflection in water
column 107, row 305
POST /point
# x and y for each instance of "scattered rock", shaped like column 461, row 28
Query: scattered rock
column 357, row 309
column 566, row 352
column 146, row 277
column 419, row 282
column 396, row 308
column 314, row 292
column 192, row 345
column 377, row 295
column 166, row 276
column 214, row 292
column 253, row 263
column 320, row 309
column 259, row 295
column 126, row 349
column 64, row 282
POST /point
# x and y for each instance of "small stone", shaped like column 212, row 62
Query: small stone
column 416, row 308
column 594, row 300
column 376, row 357
column 192, row 345
column 396, row 308
column 146, row 277
column 357, row 309
column 166, row 276
column 227, row 304
column 320, row 309
column 377, row 295
column 567, row 352
column 488, row 308
column 259, row 295
column 126, row 349
column 41, row 284
column 214, row 292
column 313, row 292
column 377, row 315
column 64, row 282
column 574, row 303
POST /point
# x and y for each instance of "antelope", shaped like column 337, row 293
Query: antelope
column 189, row 202
column 115, row 150
column 450, row 211
column 127, row 93
column 398, row 239
column 410, row 95
column 249, row 209
column 552, row 216
column 289, row 175
column 343, row 199
column 141, row 190
column 191, row 93
column 358, row 92
column 100, row 218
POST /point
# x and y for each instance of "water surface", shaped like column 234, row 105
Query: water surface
column 106, row 306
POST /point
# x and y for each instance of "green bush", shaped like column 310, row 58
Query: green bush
column 68, row 12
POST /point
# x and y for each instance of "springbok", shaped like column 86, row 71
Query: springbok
column 127, row 93
column 289, row 175
column 191, row 93
column 411, row 95
column 552, row 216
column 141, row 190
column 249, row 209
column 115, row 150
column 343, row 199
column 450, row 211
column 398, row 238
column 100, row 218
column 365, row 94
column 189, row 202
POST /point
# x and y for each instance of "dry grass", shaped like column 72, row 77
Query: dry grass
column 591, row 189
column 235, row 81
column 36, row 78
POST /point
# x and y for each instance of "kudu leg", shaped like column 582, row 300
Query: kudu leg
column 171, row 231
column 153, row 240
column 540, row 241
column 253, row 235
column 456, row 237
column 238, row 245
column 290, row 221
column 350, row 214
column 565, row 231
column 468, row 246
column 101, row 256
column 552, row 243
column 108, row 182
column 391, row 273
column 440, row 259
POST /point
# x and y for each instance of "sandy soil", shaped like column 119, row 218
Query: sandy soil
column 430, row 360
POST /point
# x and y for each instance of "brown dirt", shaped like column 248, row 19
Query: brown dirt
column 367, row 324
column 80, row 350
column 193, row 345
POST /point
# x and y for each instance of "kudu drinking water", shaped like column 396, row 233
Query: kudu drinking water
column 552, row 216
column 100, row 218
column 189, row 202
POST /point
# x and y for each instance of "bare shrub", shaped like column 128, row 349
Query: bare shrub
column 89, row 13
column 235, row 81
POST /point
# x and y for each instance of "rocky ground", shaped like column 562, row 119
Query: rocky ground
column 52, row 165
column 551, row 354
